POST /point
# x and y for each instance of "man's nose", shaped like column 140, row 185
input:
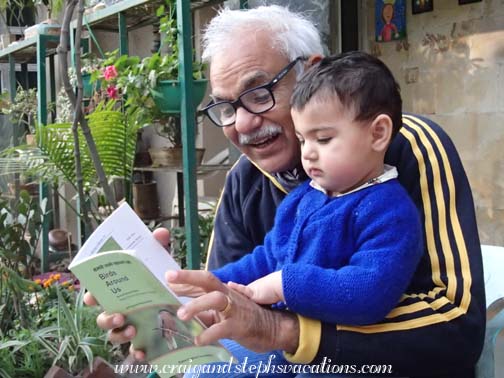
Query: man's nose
column 245, row 121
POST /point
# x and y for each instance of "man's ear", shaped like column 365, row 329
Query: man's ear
column 313, row 59
column 381, row 132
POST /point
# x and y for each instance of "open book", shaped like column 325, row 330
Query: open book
column 123, row 266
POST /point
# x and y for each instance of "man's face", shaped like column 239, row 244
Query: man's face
column 268, row 138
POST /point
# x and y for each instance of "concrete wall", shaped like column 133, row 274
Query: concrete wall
column 211, row 137
column 451, row 69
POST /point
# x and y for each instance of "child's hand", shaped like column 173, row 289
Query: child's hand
column 265, row 290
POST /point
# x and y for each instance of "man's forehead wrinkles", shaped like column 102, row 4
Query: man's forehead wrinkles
column 246, row 81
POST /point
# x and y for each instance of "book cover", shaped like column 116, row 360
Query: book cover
column 123, row 266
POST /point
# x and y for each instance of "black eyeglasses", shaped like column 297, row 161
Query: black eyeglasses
column 255, row 100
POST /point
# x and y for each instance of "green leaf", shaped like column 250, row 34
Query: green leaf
column 3, row 374
column 63, row 349
column 160, row 11
column 67, row 315
column 88, row 353
column 17, row 344
column 93, row 341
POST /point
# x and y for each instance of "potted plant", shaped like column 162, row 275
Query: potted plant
column 49, row 26
column 54, row 7
column 169, row 128
column 23, row 111
column 90, row 69
column 23, row 114
column 151, row 89
column 166, row 93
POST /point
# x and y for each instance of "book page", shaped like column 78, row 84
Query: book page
column 124, row 230
column 122, row 283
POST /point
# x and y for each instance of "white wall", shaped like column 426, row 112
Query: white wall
column 453, row 72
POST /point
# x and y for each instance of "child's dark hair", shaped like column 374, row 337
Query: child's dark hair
column 360, row 81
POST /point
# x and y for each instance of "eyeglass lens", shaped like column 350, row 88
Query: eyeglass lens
column 258, row 100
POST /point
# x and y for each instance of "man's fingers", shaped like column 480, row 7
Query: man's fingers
column 242, row 289
column 185, row 290
column 208, row 318
column 90, row 300
column 215, row 300
column 109, row 321
column 162, row 235
column 202, row 279
column 121, row 335
column 138, row 355
column 221, row 330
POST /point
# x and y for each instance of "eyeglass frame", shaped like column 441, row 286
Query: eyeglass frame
column 268, row 86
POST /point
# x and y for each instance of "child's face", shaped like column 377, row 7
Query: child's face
column 336, row 151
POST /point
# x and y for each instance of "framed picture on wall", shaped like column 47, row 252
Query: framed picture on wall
column 462, row 2
column 421, row 6
column 390, row 20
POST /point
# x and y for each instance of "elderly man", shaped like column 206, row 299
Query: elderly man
column 437, row 328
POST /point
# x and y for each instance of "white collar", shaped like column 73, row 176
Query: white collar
column 389, row 173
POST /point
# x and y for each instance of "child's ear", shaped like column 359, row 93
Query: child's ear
column 381, row 132
column 313, row 59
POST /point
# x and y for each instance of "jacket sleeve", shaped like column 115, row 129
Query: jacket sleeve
column 245, row 213
column 438, row 326
column 387, row 249
column 249, row 268
column 263, row 260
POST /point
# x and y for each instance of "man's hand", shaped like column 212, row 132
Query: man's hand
column 231, row 315
column 265, row 290
column 184, row 290
column 114, row 323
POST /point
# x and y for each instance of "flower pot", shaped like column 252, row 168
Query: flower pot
column 145, row 200
column 167, row 95
column 31, row 187
column 87, row 86
column 31, row 139
column 60, row 240
column 172, row 156
column 47, row 27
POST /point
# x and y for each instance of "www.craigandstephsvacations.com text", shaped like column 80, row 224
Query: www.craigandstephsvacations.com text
column 257, row 369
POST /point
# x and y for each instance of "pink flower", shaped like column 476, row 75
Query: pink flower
column 112, row 92
column 110, row 72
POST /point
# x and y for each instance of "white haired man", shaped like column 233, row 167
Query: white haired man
column 437, row 328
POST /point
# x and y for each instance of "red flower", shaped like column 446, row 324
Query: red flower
column 110, row 72
column 112, row 92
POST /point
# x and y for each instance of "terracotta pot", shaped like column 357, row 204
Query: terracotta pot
column 32, row 188
column 101, row 369
column 57, row 372
column 58, row 239
column 145, row 200
column 172, row 156
column 31, row 139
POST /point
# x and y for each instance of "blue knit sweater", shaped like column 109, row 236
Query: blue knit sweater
column 344, row 260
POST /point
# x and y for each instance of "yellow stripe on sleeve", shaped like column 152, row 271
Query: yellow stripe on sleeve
column 310, row 332
column 456, row 228
column 420, row 128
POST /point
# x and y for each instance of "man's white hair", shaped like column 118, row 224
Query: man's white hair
column 291, row 33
